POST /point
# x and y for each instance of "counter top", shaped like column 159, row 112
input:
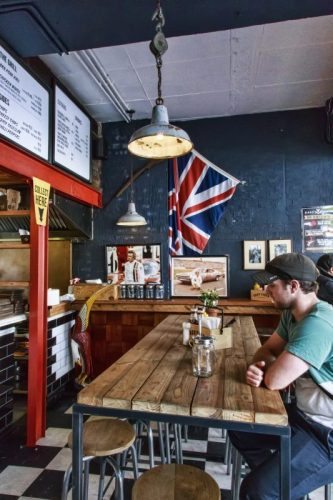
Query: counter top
column 181, row 306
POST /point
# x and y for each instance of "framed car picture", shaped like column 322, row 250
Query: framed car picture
column 254, row 254
column 278, row 247
column 191, row 275
column 133, row 263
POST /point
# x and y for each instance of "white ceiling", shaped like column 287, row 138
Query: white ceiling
column 272, row 67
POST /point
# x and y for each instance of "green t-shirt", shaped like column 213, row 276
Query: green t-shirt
column 311, row 339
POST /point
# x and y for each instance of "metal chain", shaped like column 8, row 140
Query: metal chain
column 159, row 99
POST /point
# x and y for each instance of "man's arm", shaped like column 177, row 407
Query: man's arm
column 274, row 366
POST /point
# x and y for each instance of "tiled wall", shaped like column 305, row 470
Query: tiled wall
column 7, row 371
column 59, row 355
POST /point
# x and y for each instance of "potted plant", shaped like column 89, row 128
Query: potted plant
column 210, row 300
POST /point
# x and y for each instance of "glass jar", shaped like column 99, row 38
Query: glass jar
column 203, row 356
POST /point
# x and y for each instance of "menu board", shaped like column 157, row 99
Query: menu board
column 24, row 107
column 72, row 136
column 317, row 225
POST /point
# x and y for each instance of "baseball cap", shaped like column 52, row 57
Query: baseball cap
column 325, row 261
column 288, row 266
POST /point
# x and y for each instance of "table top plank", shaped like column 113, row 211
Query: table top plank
column 123, row 392
column 238, row 401
column 94, row 393
column 250, row 337
column 178, row 397
column 150, row 395
column 208, row 399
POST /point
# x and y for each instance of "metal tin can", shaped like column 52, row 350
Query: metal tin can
column 159, row 292
column 149, row 292
column 139, row 291
column 123, row 291
column 130, row 291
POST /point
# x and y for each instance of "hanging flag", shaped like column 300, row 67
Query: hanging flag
column 198, row 195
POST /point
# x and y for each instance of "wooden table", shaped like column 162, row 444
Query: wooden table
column 154, row 381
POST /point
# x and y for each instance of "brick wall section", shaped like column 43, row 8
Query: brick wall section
column 283, row 158
column 6, row 376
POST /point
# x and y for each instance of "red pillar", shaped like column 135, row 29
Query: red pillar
column 36, row 419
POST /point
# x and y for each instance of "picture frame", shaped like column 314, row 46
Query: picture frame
column 254, row 255
column 191, row 275
column 278, row 247
column 148, row 257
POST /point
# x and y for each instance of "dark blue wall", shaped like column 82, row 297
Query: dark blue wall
column 283, row 158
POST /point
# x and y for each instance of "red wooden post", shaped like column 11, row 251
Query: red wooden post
column 36, row 418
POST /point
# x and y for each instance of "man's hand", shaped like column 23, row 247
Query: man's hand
column 255, row 373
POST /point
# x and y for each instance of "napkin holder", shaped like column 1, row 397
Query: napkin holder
column 221, row 341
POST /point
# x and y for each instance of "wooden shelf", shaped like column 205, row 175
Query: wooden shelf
column 14, row 213
column 14, row 284
column 13, row 244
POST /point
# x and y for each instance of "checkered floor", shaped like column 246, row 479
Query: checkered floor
column 37, row 473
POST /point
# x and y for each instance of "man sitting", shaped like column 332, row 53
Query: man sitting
column 300, row 351
column 325, row 279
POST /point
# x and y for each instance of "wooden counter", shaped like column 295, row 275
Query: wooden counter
column 117, row 325
column 182, row 306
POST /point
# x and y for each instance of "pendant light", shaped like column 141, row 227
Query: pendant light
column 131, row 218
column 159, row 140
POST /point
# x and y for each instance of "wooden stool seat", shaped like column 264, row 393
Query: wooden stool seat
column 175, row 482
column 105, row 436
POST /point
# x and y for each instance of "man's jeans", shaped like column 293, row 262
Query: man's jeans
column 311, row 459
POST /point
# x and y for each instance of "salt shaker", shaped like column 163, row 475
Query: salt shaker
column 186, row 332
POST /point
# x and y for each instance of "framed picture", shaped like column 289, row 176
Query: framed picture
column 190, row 275
column 278, row 247
column 133, row 263
column 254, row 254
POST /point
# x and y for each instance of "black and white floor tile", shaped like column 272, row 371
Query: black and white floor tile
column 37, row 473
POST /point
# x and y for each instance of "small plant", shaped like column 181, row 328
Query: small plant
column 209, row 298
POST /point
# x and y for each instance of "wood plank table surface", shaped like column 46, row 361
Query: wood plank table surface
column 154, row 380
column 156, row 376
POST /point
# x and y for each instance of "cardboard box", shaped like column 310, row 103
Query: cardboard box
column 84, row 291
column 260, row 295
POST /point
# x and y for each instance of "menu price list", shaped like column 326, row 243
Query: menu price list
column 72, row 136
column 318, row 229
column 24, row 107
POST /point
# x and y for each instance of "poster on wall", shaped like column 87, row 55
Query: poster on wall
column 24, row 107
column 317, row 229
column 72, row 136
column 133, row 263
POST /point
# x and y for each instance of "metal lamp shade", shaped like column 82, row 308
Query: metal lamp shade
column 160, row 140
column 131, row 218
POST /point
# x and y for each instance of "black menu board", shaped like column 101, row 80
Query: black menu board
column 72, row 136
column 24, row 107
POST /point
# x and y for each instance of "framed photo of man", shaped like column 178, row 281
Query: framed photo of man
column 254, row 254
column 133, row 264
column 278, row 247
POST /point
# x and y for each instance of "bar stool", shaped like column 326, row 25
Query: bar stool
column 175, row 482
column 103, row 438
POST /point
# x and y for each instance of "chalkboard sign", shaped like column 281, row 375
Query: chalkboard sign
column 24, row 107
column 72, row 136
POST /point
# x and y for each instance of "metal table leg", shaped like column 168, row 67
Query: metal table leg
column 77, row 454
column 285, row 466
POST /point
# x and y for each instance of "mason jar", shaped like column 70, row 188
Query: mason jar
column 203, row 356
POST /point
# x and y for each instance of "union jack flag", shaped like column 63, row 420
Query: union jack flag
column 199, row 192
